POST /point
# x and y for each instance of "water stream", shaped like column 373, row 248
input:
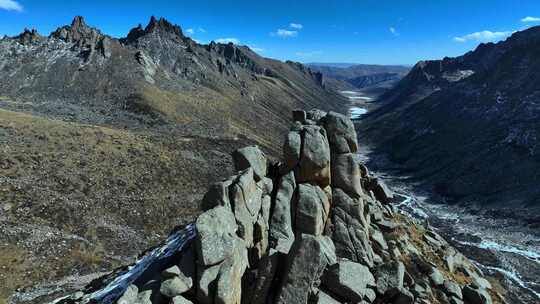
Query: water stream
column 358, row 100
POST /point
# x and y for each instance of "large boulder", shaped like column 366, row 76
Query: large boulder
column 216, row 229
column 346, row 174
column 281, row 232
column 229, row 284
column 436, row 277
column 312, row 209
column 129, row 296
column 315, row 158
column 253, row 157
column 350, row 228
column 452, row 289
column 222, row 282
column 341, row 133
column 175, row 286
column 390, row 278
column 175, row 282
column 306, row 262
column 246, row 198
column 378, row 239
column 351, row 281
column 291, row 149
column 260, row 237
column 180, row 300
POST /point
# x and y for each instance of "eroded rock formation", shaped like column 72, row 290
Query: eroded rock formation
column 315, row 228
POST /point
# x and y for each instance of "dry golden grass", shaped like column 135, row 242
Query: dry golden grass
column 13, row 265
column 75, row 175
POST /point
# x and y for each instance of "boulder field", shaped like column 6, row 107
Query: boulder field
column 313, row 228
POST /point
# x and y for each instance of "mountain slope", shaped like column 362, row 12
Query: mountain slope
column 81, row 73
column 103, row 136
column 468, row 126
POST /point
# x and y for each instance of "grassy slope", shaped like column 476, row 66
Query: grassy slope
column 90, row 197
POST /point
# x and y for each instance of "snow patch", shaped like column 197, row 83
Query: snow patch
column 356, row 112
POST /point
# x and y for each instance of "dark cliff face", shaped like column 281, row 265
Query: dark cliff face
column 468, row 126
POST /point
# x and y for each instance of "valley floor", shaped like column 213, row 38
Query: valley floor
column 503, row 249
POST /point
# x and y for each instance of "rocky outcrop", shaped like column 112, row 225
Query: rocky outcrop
column 28, row 36
column 84, row 38
column 310, row 230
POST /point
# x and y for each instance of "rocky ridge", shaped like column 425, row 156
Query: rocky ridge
column 314, row 228
column 155, row 75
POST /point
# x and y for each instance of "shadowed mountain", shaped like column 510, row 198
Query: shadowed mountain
column 359, row 76
column 469, row 126
column 103, row 136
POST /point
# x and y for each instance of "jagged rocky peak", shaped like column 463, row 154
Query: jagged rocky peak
column 78, row 22
column 79, row 33
column 159, row 26
column 240, row 55
column 163, row 25
column 28, row 36
column 134, row 34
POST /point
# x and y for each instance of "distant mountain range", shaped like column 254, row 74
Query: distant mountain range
column 470, row 126
column 360, row 75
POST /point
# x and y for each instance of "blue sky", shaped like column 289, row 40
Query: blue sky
column 359, row 31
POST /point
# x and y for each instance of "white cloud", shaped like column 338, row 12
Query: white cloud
column 284, row 33
column 483, row 36
column 190, row 31
column 227, row 40
column 202, row 30
column 256, row 49
column 393, row 31
column 308, row 54
column 11, row 5
column 297, row 26
column 530, row 19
